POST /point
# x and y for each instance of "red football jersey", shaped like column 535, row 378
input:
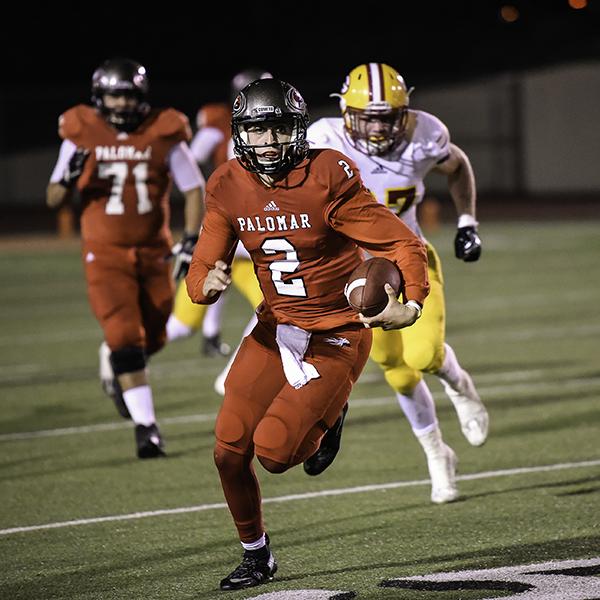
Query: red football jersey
column 303, row 236
column 218, row 116
column 125, row 183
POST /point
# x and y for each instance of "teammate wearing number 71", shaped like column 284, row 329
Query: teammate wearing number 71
column 122, row 156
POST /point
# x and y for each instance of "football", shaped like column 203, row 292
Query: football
column 365, row 292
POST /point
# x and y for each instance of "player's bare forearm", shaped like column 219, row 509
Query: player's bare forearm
column 461, row 183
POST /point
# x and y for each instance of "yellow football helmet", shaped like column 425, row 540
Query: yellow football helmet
column 374, row 105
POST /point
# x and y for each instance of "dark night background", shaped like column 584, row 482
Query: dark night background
column 50, row 53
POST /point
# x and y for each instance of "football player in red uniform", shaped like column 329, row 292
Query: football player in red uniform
column 302, row 215
column 122, row 156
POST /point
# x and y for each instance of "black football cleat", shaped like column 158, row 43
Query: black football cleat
column 213, row 346
column 257, row 567
column 148, row 441
column 330, row 445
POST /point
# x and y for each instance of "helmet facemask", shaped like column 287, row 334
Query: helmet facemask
column 376, row 132
column 374, row 104
column 253, row 156
column 126, row 118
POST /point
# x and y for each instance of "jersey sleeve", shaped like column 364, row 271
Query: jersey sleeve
column 183, row 166
column 434, row 142
column 217, row 241
column 205, row 142
column 174, row 125
column 338, row 173
column 70, row 125
column 359, row 217
column 67, row 149
column 214, row 115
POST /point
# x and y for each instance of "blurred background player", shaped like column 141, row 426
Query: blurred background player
column 395, row 148
column 122, row 156
column 211, row 147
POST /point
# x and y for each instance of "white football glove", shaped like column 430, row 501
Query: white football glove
column 183, row 251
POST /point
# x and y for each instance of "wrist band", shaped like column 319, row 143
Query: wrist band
column 416, row 305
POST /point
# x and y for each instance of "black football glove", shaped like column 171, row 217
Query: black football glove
column 74, row 168
column 182, row 251
column 467, row 244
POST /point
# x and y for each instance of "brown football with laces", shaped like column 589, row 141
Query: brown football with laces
column 365, row 290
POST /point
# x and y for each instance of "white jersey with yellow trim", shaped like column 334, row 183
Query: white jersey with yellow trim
column 396, row 179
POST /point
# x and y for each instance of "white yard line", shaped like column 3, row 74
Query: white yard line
column 305, row 496
column 487, row 392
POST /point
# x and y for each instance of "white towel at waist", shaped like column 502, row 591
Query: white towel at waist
column 293, row 343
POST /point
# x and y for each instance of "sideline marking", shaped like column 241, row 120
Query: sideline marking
column 556, row 580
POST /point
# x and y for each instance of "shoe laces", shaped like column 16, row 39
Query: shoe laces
column 252, row 566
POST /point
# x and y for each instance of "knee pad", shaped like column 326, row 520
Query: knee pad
column 229, row 427
column 128, row 360
column 271, row 433
column 275, row 440
column 403, row 379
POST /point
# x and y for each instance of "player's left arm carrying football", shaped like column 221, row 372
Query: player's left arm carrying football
column 461, row 185
column 357, row 215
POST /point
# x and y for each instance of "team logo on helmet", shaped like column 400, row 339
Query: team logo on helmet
column 294, row 100
column 345, row 85
column 239, row 105
column 140, row 77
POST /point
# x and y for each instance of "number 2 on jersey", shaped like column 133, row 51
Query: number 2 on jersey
column 118, row 172
column 294, row 287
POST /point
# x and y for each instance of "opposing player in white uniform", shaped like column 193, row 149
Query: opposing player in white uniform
column 395, row 148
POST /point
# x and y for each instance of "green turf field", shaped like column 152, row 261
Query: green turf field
column 82, row 518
